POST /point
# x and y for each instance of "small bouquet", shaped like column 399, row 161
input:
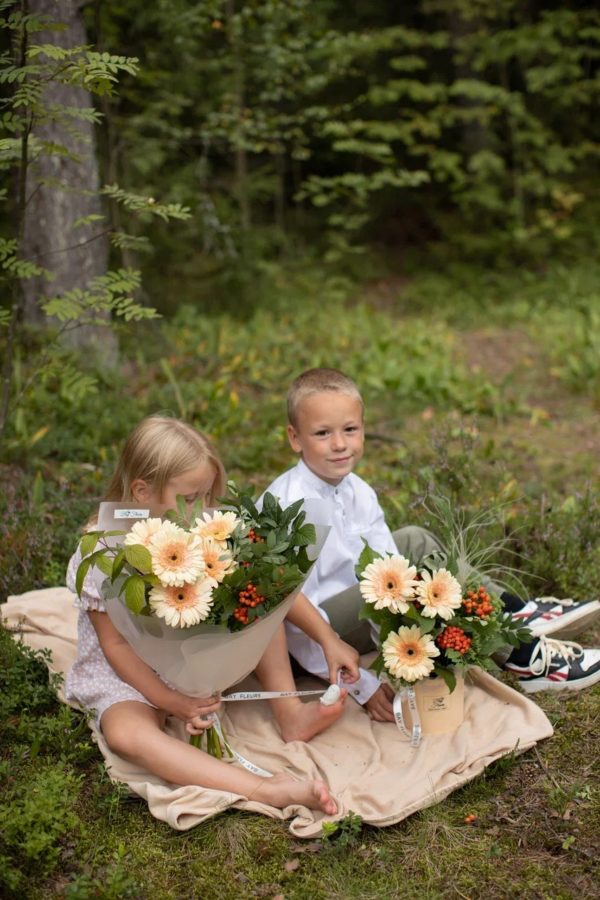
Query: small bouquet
column 429, row 621
column 200, row 594
column 435, row 620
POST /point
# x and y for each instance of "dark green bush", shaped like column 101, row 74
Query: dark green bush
column 36, row 817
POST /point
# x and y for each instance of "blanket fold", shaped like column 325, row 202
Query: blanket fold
column 370, row 767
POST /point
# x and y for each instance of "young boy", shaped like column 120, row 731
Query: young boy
column 325, row 426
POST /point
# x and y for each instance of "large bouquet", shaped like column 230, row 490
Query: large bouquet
column 199, row 595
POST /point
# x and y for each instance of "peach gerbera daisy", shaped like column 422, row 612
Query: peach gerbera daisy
column 218, row 562
column 218, row 525
column 407, row 653
column 389, row 583
column 440, row 593
column 184, row 605
column 176, row 555
column 142, row 532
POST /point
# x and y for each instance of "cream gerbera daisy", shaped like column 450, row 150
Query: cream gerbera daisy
column 182, row 606
column 218, row 525
column 440, row 593
column 143, row 532
column 218, row 562
column 407, row 653
column 389, row 583
column 176, row 555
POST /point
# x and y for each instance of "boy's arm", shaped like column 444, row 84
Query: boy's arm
column 130, row 668
column 338, row 654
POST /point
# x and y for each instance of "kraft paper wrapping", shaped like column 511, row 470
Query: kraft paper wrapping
column 441, row 710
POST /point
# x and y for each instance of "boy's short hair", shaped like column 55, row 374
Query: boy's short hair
column 314, row 381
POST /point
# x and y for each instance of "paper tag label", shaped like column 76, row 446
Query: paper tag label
column 131, row 513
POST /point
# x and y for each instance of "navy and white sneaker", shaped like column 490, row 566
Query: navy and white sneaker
column 557, row 666
column 562, row 619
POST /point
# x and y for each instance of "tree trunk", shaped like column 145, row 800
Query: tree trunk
column 475, row 133
column 61, row 190
column 241, row 157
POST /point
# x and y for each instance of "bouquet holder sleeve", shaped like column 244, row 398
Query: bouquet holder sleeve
column 203, row 659
column 441, row 711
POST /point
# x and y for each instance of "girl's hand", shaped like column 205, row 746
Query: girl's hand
column 192, row 708
column 342, row 657
column 198, row 724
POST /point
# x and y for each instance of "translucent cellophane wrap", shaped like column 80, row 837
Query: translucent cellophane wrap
column 202, row 659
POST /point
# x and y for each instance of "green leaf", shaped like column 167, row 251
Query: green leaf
column 118, row 563
column 448, row 676
column 134, row 591
column 305, row 536
column 138, row 557
column 366, row 557
column 88, row 542
column 82, row 570
column 105, row 564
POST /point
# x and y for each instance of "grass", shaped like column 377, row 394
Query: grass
column 484, row 385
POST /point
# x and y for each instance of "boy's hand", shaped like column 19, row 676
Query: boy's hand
column 379, row 706
column 342, row 657
column 192, row 709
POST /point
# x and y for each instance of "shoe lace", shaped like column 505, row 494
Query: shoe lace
column 565, row 601
column 549, row 648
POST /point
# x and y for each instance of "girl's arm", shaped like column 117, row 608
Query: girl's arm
column 338, row 654
column 130, row 668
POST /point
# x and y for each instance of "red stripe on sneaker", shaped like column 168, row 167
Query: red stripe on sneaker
column 558, row 676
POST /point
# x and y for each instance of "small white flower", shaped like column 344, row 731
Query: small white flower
column 142, row 532
column 184, row 605
column 218, row 562
column 176, row 555
column 389, row 583
column 217, row 525
column 408, row 653
column 439, row 593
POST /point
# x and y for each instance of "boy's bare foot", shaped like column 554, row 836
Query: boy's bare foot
column 283, row 790
column 302, row 721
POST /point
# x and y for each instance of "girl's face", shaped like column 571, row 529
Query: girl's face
column 195, row 484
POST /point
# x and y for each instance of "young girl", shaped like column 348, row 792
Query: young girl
column 163, row 458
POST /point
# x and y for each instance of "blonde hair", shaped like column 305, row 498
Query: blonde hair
column 314, row 381
column 159, row 449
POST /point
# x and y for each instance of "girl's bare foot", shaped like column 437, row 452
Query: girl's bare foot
column 283, row 790
column 302, row 721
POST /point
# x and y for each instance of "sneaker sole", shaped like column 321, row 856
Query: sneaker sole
column 569, row 624
column 546, row 684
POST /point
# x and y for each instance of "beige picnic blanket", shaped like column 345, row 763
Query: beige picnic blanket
column 370, row 767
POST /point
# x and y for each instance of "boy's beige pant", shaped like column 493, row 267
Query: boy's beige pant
column 413, row 542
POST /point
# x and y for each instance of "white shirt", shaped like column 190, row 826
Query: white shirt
column 353, row 512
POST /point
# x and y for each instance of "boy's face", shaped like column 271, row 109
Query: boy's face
column 329, row 434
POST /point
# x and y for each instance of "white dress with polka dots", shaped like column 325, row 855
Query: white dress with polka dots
column 92, row 682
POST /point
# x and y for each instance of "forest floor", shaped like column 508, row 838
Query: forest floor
column 490, row 395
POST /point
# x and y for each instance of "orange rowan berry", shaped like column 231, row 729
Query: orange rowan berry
column 454, row 638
